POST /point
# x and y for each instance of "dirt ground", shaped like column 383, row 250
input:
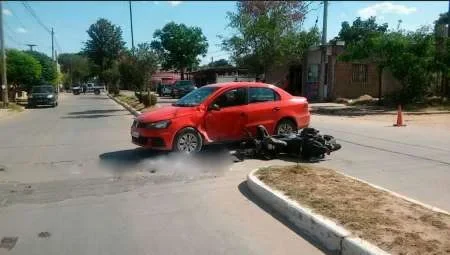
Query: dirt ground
column 393, row 224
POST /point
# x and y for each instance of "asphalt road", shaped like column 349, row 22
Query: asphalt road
column 72, row 183
column 71, row 171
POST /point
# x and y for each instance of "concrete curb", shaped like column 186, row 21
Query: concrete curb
column 322, row 230
column 125, row 105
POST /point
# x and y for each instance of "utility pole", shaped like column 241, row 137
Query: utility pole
column 31, row 46
column 53, row 47
column 131, row 20
column 2, row 45
column 448, row 20
column 322, row 93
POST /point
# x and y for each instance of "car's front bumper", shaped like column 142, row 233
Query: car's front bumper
column 154, row 139
column 41, row 101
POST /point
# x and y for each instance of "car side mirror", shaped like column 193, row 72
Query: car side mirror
column 214, row 107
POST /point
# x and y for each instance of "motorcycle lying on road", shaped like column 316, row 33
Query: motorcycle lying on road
column 308, row 145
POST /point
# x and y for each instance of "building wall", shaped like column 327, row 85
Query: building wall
column 345, row 86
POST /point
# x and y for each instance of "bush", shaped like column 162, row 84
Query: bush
column 139, row 96
column 149, row 100
column 153, row 99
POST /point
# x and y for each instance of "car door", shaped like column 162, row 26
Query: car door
column 227, row 122
column 263, row 108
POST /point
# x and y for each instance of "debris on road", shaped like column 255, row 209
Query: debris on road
column 44, row 234
column 390, row 222
column 8, row 242
column 309, row 145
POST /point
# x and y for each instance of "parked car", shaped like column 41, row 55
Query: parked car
column 220, row 113
column 43, row 95
column 182, row 87
column 165, row 89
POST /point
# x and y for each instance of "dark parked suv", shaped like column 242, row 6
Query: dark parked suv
column 43, row 95
column 182, row 87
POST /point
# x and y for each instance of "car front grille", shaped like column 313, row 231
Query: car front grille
column 157, row 142
column 140, row 140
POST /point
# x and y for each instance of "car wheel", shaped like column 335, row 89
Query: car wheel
column 285, row 126
column 188, row 140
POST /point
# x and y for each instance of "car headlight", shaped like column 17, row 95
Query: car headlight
column 158, row 125
column 50, row 96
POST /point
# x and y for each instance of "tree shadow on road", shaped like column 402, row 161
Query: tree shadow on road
column 96, row 111
column 245, row 191
column 96, row 116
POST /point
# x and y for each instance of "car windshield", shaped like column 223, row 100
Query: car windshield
column 42, row 89
column 184, row 84
column 196, row 97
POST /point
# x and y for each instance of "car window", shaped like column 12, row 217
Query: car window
column 257, row 95
column 232, row 97
column 196, row 97
column 42, row 89
column 184, row 84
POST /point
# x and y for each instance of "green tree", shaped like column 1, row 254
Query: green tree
column 136, row 69
column 129, row 71
column 409, row 56
column 49, row 73
column 220, row 63
column 412, row 64
column 75, row 66
column 367, row 41
column 359, row 30
column 179, row 46
column 268, row 33
column 22, row 69
column 442, row 54
column 104, row 47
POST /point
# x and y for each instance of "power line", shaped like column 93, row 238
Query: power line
column 12, row 39
column 33, row 13
column 16, row 16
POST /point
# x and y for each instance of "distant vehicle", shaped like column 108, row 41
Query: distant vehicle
column 165, row 89
column 220, row 113
column 43, row 95
column 87, row 88
column 182, row 87
column 76, row 89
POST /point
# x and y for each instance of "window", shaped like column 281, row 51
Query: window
column 359, row 73
column 257, row 95
column 232, row 97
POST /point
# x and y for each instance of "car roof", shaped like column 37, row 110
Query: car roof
column 42, row 86
column 241, row 84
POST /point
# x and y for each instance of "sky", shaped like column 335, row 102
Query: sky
column 71, row 19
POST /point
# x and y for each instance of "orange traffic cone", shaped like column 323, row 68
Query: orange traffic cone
column 399, row 117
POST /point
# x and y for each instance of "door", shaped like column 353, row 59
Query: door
column 227, row 122
column 263, row 108
column 295, row 78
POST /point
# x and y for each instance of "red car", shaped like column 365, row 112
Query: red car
column 220, row 113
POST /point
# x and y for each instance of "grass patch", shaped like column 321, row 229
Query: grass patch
column 12, row 107
column 391, row 223
column 132, row 101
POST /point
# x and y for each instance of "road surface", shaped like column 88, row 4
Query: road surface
column 72, row 183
